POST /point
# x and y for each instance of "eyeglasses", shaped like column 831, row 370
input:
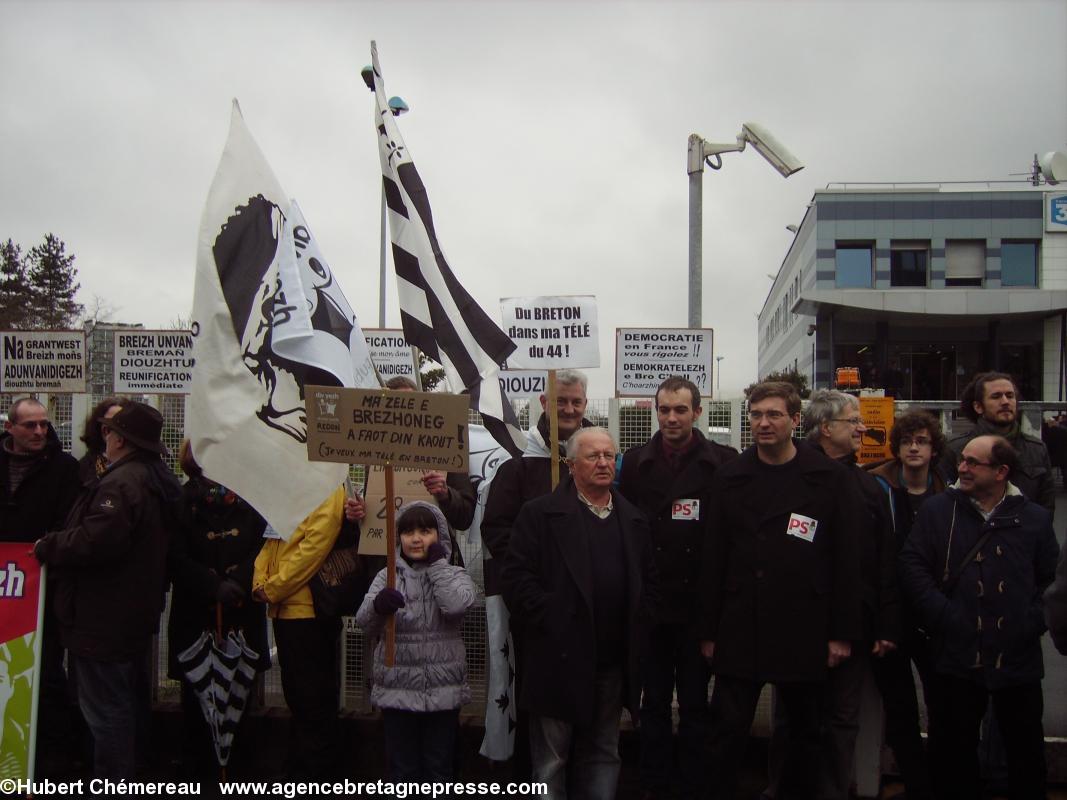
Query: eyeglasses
column 855, row 422
column 972, row 462
column 771, row 416
column 34, row 424
column 596, row 458
column 918, row 441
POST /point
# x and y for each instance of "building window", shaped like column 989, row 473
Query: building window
column 855, row 266
column 908, row 263
column 1018, row 264
column 964, row 262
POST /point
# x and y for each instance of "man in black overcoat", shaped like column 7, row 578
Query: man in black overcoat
column 782, row 593
column 669, row 479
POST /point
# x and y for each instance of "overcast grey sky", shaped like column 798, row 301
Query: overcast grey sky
column 551, row 136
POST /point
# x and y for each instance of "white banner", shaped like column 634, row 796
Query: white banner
column 153, row 362
column 645, row 357
column 524, row 384
column 390, row 352
column 551, row 332
column 43, row 361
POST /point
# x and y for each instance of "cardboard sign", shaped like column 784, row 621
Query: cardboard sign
column 645, row 357
column 43, row 361
column 877, row 415
column 419, row 430
column 153, row 362
column 407, row 486
column 551, row 332
column 390, row 352
column 21, row 604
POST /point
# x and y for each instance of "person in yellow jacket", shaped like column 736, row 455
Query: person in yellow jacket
column 307, row 645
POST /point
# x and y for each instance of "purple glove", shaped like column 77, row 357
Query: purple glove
column 387, row 601
column 434, row 552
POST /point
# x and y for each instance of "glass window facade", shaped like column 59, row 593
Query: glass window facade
column 854, row 266
column 1018, row 264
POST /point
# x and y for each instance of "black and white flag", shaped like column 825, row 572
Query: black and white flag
column 439, row 316
column 269, row 318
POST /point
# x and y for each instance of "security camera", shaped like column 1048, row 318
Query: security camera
column 770, row 148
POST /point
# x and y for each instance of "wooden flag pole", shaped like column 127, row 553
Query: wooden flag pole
column 390, row 562
column 553, row 427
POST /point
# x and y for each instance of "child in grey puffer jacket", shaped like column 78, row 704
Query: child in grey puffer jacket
column 421, row 694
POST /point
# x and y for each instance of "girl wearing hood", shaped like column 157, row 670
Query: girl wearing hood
column 421, row 694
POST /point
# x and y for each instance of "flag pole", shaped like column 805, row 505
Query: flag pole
column 553, row 427
column 390, row 562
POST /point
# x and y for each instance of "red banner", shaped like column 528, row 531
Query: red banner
column 20, row 583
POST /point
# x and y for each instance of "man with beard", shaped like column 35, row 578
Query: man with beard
column 990, row 401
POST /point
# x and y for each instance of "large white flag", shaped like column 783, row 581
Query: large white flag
column 439, row 316
column 269, row 319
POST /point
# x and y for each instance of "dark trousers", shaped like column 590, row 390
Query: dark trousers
column 672, row 659
column 307, row 655
column 1018, row 712
column 733, row 706
column 900, row 706
column 107, row 694
column 420, row 745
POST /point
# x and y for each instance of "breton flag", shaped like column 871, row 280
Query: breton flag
column 439, row 316
column 269, row 318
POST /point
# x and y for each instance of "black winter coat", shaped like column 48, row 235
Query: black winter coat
column 113, row 552
column 678, row 535
column 547, row 586
column 878, row 558
column 988, row 626
column 43, row 498
column 220, row 537
column 773, row 601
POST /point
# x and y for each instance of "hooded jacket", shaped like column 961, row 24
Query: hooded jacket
column 429, row 671
column 43, row 498
column 987, row 626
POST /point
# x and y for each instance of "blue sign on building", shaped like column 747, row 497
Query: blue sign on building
column 1056, row 215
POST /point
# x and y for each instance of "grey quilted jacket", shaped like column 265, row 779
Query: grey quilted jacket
column 429, row 672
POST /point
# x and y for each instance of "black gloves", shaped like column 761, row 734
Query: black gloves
column 387, row 601
column 434, row 552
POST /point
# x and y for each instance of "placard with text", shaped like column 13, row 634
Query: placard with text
column 43, row 361
column 418, row 430
column 552, row 332
column 153, row 362
column 645, row 357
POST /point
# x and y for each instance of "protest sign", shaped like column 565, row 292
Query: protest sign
column 43, row 361
column 153, row 362
column 524, row 384
column 21, row 604
column 877, row 416
column 407, row 486
column 551, row 332
column 421, row 430
column 645, row 357
column 390, row 352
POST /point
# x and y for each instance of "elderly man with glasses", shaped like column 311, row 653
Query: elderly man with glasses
column 974, row 568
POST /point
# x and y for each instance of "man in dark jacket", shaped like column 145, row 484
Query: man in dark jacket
column 579, row 574
column 974, row 568
column 833, row 426
column 990, row 401
column 113, row 552
column 669, row 479
column 38, row 485
column 782, row 595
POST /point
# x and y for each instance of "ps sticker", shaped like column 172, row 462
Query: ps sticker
column 802, row 527
column 685, row 509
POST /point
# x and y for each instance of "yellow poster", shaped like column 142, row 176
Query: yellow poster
column 877, row 414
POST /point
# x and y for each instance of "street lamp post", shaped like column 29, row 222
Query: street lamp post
column 718, row 376
column 703, row 152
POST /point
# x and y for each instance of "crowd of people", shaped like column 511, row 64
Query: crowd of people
column 630, row 584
